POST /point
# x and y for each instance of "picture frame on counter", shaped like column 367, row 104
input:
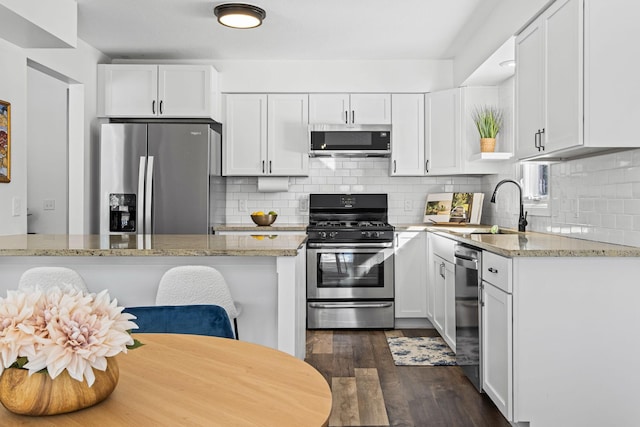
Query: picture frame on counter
column 5, row 141
column 453, row 208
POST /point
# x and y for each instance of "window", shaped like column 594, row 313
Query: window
column 534, row 179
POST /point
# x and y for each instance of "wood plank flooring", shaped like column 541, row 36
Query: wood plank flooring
column 369, row 390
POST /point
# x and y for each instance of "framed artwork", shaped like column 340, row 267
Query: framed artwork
column 5, row 141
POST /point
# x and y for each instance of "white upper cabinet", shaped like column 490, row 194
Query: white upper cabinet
column 407, row 120
column 172, row 91
column 266, row 135
column 245, row 135
column 350, row 109
column 577, row 84
column 287, row 134
column 442, row 132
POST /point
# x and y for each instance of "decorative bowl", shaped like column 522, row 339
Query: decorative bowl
column 263, row 220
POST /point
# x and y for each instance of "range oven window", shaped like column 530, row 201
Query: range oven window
column 350, row 270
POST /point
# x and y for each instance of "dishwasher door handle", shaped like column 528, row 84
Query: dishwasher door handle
column 348, row 305
column 467, row 262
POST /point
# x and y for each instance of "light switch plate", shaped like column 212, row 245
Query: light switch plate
column 242, row 205
column 16, row 206
column 49, row 205
column 408, row 206
column 304, row 204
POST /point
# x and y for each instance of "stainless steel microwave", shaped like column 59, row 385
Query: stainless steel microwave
column 354, row 141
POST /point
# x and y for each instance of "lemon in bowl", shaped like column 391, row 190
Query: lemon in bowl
column 262, row 219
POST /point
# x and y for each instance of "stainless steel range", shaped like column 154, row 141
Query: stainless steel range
column 349, row 262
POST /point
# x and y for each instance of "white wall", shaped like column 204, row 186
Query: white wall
column 13, row 88
column 334, row 76
column 478, row 40
column 47, row 166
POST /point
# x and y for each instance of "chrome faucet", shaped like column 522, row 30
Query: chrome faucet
column 522, row 220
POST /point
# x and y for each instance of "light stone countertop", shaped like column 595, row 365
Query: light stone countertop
column 527, row 244
column 155, row 245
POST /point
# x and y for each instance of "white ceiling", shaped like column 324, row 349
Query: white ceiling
column 292, row 30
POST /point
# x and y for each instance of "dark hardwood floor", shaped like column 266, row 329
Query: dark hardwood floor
column 369, row 390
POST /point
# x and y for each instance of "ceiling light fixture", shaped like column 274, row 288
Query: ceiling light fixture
column 239, row 15
column 510, row 63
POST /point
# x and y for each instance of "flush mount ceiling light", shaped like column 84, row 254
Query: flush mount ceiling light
column 510, row 63
column 239, row 15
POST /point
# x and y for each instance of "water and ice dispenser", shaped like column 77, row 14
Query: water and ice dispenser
column 122, row 213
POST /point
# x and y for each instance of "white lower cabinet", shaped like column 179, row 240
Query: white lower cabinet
column 441, row 304
column 410, row 275
column 497, row 347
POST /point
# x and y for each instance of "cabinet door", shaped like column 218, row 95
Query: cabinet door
column 129, row 90
column 529, row 89
column 442, row 135
column 329, row 108
column 370, row 109
column 245, row 135
column 439, row 292
column 288, row 147
column 410, row 275
column 184, row 90
column 563, row 103
column 407, row 150
column 497, row 347
column 450, row 305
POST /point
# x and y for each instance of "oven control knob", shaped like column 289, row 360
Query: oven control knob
column 323, row 235
column 333, row 234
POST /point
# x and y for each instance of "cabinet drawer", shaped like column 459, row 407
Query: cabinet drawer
column 497, row 271
column 443, row 247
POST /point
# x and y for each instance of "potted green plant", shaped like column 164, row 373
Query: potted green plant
column 488, row 120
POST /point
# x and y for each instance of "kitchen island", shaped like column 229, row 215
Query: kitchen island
column 266, row 274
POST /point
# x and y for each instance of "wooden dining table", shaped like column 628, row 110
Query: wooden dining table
column 192, row 380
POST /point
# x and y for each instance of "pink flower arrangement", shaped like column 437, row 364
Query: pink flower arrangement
column 57, row 330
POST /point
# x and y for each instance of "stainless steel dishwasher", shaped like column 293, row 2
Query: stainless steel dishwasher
column 468, row 321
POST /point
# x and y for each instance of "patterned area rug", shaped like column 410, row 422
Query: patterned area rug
column 421, row 351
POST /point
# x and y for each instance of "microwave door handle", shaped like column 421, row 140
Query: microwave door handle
column 148, row 197
column 140, row 198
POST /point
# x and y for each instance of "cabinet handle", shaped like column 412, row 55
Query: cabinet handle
column 493, row 270
column 346, row 116
column 541, row 143
column 161, row 102
column 426, row 166
column 353, row 116
column 442, row 270
column 397, row 241
column 269, row 166
column 153, row 106
column 394, row 166
column 263, row 166
column 536, row 141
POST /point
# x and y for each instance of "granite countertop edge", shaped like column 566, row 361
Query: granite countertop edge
column 554, row 243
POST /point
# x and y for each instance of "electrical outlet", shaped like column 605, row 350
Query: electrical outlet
column 407, row 205
column 242, row 205
column 304, row 204
column 49, row 205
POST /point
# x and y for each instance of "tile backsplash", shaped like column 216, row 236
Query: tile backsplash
column 407, row 195
column 594, row 198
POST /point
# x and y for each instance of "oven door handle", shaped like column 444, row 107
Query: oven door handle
column 350, row 245
column 349, row 305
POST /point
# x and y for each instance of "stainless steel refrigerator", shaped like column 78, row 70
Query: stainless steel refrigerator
column 160, row 178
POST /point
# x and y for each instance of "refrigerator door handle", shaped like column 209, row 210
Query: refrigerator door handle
column 140, row 198
column 148, row 197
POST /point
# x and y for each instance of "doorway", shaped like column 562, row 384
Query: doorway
column 47, row 153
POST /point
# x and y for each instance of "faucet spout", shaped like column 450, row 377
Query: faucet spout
column 522, row 219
